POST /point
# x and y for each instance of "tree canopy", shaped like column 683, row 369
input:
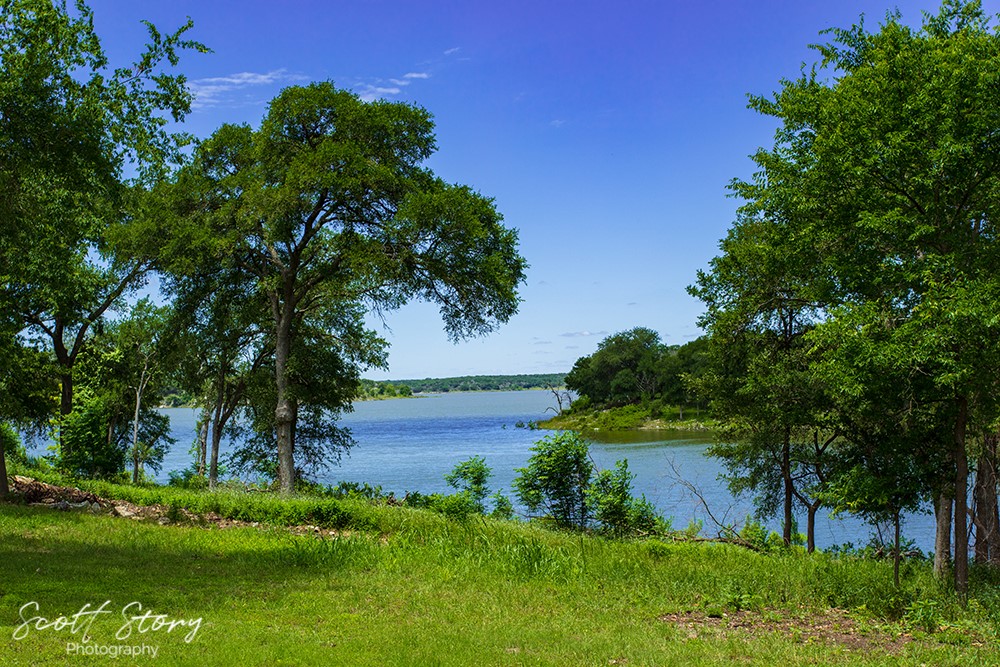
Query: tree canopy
column 862, row 263
column 327, row 212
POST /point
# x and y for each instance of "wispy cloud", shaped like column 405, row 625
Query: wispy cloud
column 453, row 50
column 542, row 342
column 236, row 89
column 582, row 334
column 379, row 88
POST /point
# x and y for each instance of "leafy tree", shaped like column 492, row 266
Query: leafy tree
column 146, row 340
column 472, row 477
column 223, row 344
column 327, row 207
column 556, row 479
column 625, row 369
column 882, row 190
column 71, row 130
column 612, row 505
column 27, row 385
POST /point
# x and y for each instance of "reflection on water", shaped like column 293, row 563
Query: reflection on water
column 409, row 444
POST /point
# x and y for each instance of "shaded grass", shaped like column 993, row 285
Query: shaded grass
column 423, row 590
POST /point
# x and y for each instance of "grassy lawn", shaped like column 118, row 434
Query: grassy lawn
column 422, row 590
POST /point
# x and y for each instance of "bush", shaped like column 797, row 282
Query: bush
column 472, row 477
column 11, row 443
column 556, row 479
column 86, row 450
column 610, row 500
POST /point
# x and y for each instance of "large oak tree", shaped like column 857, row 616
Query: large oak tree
column 326, row 207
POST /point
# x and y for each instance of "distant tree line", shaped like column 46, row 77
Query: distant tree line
column 485, row 383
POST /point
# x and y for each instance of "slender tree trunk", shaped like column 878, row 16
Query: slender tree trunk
column 895, row 551
column 987, row 518
column 284, row 413
column 213, row 470
column 811, row 528
column 942, row 535
column 202, row 445
column 961, row 501
column 135, row 435
column 65, row 406
column 4, row 488
column 789, row 491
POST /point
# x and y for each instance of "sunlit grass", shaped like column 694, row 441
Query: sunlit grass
column 415, row 588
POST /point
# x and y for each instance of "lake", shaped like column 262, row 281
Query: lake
column 410, row 444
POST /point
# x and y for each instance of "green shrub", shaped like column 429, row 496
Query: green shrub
column 472, row 477
column 610, row 500
column 556, row 479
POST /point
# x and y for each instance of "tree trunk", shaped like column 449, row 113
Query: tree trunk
column 202, row 446
column 66, row 393
column 961, row 501
column 213, row 470
column 789, row 491
column 942, row 535
column 4, row 488
column 987, row 518
column 135, row 435
column 65, row 406
column 895, row 550
column 811, row 528
column 284, row 414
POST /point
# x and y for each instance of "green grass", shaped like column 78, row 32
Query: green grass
column 629, row 417
column 410, row 587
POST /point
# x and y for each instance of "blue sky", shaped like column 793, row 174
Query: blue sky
column 605, row 131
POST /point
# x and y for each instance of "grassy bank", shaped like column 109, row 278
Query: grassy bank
column 629, row 417
column 402, row 586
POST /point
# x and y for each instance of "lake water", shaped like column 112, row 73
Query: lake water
column 410, row 444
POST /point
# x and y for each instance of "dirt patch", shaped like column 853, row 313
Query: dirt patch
column 832, row 626
column 41, row 494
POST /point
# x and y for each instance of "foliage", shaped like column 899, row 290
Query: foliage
column 612, row 505
column 472, row 477
column 854, row 303
column 372, row 390
column 324, row 212
column 78, row 142
column 623, row 370
column 484, row 383
column 88, row 449
column 556, row 480
column 633, row 368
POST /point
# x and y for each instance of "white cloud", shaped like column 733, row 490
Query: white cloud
column 373, row 90
column 452, row 50
column 369, row 92
column 582, row 334
column 216, row 91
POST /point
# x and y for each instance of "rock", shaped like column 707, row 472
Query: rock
column 163, row 521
